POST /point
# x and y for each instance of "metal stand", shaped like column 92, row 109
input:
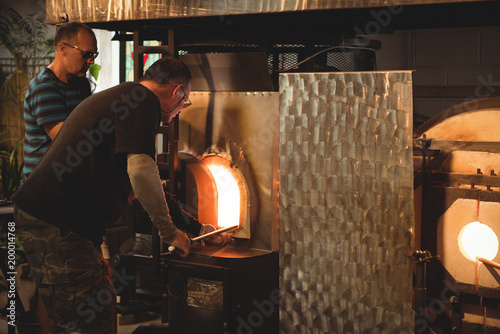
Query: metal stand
column 421, row 258
column 168, row 161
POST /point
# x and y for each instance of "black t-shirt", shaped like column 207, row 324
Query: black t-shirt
column 81, row 183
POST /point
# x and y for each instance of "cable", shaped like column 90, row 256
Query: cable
column 320, row 52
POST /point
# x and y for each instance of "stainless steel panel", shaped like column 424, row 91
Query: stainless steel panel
column 229, row 72
column 241, row 126
column 120, row 10
column 346, row 202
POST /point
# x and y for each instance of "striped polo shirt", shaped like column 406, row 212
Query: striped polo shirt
column 48, row 101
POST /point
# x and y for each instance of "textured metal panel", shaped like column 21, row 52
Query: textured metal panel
column 121, row 10
column 346, row 202
column 203, row 293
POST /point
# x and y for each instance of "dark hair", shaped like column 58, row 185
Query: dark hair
column 69, row 32
column 168, row 70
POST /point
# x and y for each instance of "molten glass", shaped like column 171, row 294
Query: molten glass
column 228, row 196
column 478, row 240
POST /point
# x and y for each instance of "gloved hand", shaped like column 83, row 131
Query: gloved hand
column 181, row 243
column 220, row 239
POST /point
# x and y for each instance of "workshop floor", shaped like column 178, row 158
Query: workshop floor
column 130, row 328
column 122, row 329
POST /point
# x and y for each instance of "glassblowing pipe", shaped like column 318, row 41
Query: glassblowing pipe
column 488, row 262
column 204, row 236
column 213, row 233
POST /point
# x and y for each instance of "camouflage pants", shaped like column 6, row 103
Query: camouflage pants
column 70, row 275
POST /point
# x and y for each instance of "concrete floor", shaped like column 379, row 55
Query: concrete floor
column 128, row 329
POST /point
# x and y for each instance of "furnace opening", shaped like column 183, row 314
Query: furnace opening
column 232, row 194
column 478, row 240
column 228, row 200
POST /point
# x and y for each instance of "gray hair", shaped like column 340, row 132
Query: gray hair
column 167, row 71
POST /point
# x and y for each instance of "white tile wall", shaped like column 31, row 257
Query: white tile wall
column 427, row 107
column 394, row 54
column 429, row 76
column 490, row 46
column 487, row 75
column 445, row 47
column 445, row 57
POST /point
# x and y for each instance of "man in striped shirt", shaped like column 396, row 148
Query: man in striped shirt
column 57, row 90
column 51, row 97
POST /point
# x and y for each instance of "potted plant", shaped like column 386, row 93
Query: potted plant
column 25, row 37
column 11, row 171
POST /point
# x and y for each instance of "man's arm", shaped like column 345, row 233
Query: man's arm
column 146, row 183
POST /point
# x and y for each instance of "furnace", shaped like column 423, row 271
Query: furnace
column 216, row 192
column 226, row 143
column 227, row 175
column 346, row 200
column 460, row 206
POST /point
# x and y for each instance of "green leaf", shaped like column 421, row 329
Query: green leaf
column 94, row 70
column 11, row 172
column 20, row 21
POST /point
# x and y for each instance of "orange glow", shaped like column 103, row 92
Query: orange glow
column 477, row 239
column 228, row 196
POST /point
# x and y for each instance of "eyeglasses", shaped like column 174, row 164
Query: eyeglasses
column 85, row 54
column 186, row 104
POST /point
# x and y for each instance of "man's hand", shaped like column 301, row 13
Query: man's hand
column 181, row 243
column 220, row 239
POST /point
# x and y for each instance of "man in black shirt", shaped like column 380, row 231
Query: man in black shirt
column 103, row 153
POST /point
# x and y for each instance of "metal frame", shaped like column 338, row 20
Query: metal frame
column 170, row 132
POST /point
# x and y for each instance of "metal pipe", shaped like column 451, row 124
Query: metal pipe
column 488, row 262
column 211, row 234
column 204, row 236
column 421, row 258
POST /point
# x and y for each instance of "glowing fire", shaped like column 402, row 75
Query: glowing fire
column 477, row 239
column 228, row 196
